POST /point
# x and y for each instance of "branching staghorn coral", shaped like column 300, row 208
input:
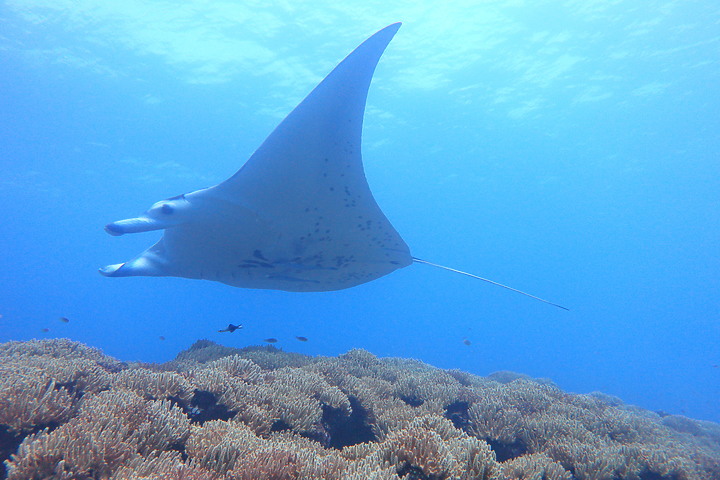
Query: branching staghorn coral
column 417, row 383
column 232, row 450
column 29, row 398
column 259, row 413
column 535, row 466
column 153, row 385
column 284, row 398
column 59, row 348
column 594, row 440
column 432, row 448
column 162, row 466
column 41, row 388
column 238, row 367
column 110, row 429
column 217, row 445
column 266, row 356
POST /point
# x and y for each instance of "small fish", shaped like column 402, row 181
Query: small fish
column 162, row 337
column 45, row 330
column 64, row 319
column 302, row 339
column 230, row 328
column 466, row 341
column 270, row 340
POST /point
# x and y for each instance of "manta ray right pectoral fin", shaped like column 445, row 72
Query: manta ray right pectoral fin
column 417, row 260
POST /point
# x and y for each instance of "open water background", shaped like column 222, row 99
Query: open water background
column 566, row 148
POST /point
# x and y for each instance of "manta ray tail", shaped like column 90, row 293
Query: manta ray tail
column 417, row 260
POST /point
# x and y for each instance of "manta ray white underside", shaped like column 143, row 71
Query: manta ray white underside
column 298, row 216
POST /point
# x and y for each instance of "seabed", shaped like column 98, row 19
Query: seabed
column 68, row 411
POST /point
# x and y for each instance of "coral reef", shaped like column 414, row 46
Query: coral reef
column 69, row 412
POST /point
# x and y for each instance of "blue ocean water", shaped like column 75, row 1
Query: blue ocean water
column 569, row 149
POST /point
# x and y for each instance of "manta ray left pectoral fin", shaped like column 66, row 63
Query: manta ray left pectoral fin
column 417, row 260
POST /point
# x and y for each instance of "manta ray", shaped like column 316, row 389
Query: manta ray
column 298, row 216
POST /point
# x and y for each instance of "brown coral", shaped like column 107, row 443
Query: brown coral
column 160, row 466
column 153, row 385
column 43, row 381
column 237, row 414
column 111, row 428
column 59, row 348
column 30, row 398
column 535, row 465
